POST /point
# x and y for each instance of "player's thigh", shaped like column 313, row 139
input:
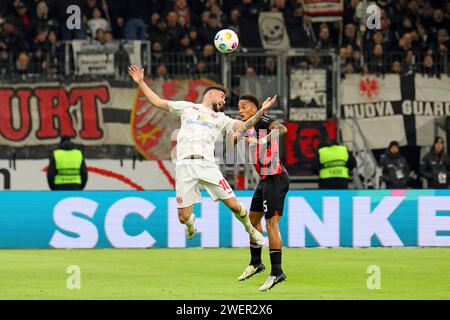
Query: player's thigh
column 217, row 186
column 257, row 199
column 186, row 186
column 274, row 194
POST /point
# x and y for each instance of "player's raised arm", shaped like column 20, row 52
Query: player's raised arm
column 250, row 123
column 138, row 77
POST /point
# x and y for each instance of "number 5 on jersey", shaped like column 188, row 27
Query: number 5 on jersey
column 265, row 206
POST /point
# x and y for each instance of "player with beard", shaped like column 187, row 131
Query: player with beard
column 201, row 125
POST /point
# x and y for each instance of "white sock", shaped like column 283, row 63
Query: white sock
column 190, row 221
column 242, row 216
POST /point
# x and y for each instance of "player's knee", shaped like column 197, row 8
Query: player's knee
column 183, row 216
column 255, row 219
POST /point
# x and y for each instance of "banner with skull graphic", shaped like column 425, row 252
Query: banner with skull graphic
column 308, row 95
column 272, row 30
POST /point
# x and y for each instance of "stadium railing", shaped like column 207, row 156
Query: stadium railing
column 414, row 63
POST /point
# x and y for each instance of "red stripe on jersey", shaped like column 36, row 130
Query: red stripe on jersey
column 270, row 163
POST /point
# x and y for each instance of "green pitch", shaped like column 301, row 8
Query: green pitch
column 212, row 273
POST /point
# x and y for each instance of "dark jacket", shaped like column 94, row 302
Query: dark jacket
column 333, row 183
column 395, row 170
column 433, row 166
column 51, row 173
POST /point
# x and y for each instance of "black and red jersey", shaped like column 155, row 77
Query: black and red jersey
column 266, row 158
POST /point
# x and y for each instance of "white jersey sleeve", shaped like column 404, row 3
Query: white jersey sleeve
column 226, row 123
column 177, row 107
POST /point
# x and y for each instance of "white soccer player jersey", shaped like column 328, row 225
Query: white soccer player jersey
column 200, row 128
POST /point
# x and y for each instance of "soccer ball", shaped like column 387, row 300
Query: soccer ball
column 226, row 41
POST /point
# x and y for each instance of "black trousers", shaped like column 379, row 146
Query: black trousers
column 333, row 183
column 70, row 187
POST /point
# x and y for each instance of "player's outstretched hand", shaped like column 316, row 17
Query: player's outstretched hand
column 136, row 74
column 269, row 102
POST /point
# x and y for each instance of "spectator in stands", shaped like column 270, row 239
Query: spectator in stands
column 109, row 36
column 209, row 56
column 200, row 69
column 153, row 25
column 182, row 9
column 158, row 56
column 208, row 33
column 280, row 6
column 100, row 36
column 23, row 64
column 350, row 35
column 248, row 22
column 4, row 63
column 233, row 20
column 439, row 21
column 389, row 40
column 22, row 17
column 204, row 18
column 343, row 58
column 435, row 167
column 116, row 10
column 396, row 67
column 424, row 39
column 89, row 7
column 250, row 82
column 98, row 22
column 300, row 30
column 137, row 12
column 442, row 43
column 412, row 11
column 194, row 39
column 185, row 58
column 13, row 40
column 216, row 10
column 324, row 41
column 406, row 27
column 38, row 63
column 314, row 60
column 162, row 36
column 377, row 38
column 40, row 40
column 447, row 10
column 184, row 43
column 409, row 64
column 270, row 67
column 377, row 61
column 428, row 67
column 162, row 73
column 42, row 19
column 356, row 61
column 55, row 54
column 395, row 167
column 173, row 28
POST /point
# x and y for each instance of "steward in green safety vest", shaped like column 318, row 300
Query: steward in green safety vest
column 333, row 164
column 67, row 169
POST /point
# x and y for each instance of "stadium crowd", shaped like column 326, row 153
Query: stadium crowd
column 414, row 35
